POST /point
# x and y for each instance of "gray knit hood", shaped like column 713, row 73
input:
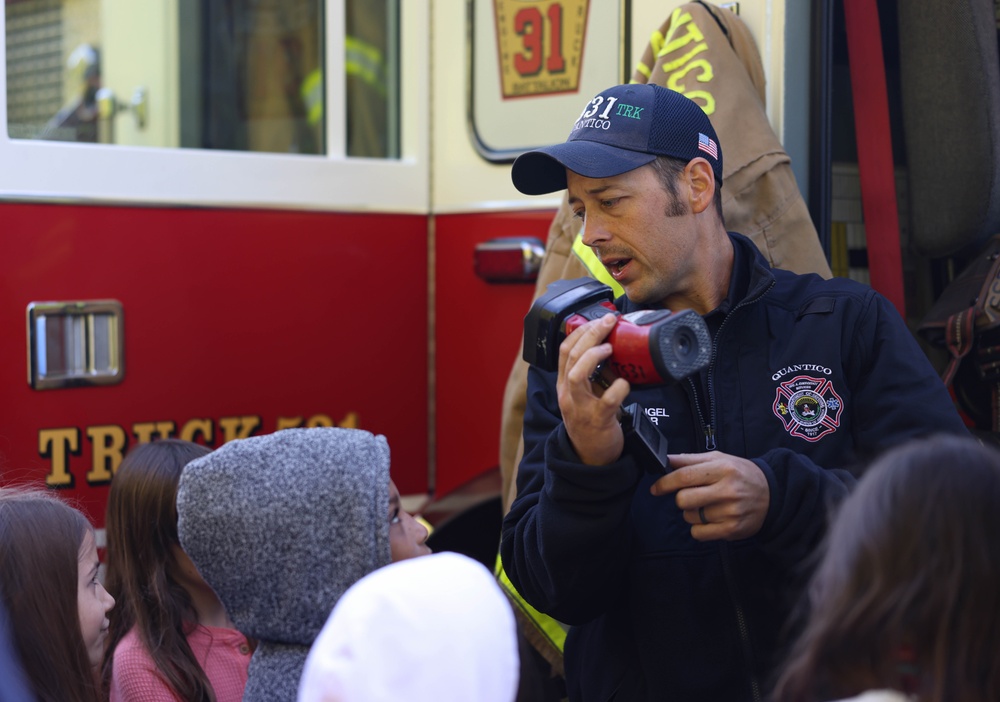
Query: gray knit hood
column 280, row 526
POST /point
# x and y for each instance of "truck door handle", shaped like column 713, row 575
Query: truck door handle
column 509, row 259
column 75, row 343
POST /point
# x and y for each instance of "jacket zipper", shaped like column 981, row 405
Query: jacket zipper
column 710, row 445
column 741, row 621
column 709, row 427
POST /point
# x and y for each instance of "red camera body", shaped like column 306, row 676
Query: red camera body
column 648, row 346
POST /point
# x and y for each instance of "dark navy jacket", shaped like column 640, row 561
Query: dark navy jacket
column 809, row 378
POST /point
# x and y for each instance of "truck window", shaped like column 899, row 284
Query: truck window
column 240, row 75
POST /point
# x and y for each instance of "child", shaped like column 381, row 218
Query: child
column 407, row 536
column 57, row 607
column 170, row 638
column 905, row 603
column 437, row 628
column 280, row 526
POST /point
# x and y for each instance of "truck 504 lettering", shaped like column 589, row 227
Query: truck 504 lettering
column 109, row 442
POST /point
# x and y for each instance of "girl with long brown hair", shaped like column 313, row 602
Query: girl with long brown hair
column 905, row 602
column 56, row 606
column 170, row 636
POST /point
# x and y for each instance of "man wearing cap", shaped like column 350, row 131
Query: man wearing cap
column 678, row 586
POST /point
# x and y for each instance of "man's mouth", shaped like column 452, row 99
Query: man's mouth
column 616, row 266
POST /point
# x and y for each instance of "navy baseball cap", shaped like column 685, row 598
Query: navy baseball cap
column 623, row 128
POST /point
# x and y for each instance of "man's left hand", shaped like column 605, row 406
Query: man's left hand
column 722, row 496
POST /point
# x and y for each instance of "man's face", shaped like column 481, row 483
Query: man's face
column 642, row 235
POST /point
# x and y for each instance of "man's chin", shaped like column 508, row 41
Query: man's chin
column 636, row 293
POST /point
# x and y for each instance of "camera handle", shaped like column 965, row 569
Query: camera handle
column 644, row 441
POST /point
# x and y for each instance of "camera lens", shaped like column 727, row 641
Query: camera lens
column 682, row 345
column 685, row 343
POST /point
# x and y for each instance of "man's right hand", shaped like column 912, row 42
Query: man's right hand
column 590, row 411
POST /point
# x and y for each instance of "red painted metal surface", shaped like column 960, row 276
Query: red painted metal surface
column 478, row 336
column 228, row 313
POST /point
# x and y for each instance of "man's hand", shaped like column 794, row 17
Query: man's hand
column 590, row 412
column 722, row 496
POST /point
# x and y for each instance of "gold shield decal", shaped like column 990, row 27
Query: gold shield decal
column 540, row 45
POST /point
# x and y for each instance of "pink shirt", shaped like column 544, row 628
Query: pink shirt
column 223, row 654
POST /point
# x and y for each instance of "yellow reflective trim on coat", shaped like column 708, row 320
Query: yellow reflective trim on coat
column 594, row 265
column 364, row 61
column 553, row 630
column 312, row 95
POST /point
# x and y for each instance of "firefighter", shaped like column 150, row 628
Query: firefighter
column 77, row 120
column 677, row 586
column 709, row 54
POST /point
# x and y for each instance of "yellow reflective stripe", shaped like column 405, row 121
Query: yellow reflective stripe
column 363, row 51
column 683, row 32
column 678, row 18
column 553, row 630
column 656, row 41
column 594, row 265
column 312, row 95
column 364, row 61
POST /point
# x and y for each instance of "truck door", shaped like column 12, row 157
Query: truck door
column 233, row 259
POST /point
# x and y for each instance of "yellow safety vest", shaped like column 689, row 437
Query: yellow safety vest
column 553, row 631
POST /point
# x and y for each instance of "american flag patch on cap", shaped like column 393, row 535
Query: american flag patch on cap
column 708, row 145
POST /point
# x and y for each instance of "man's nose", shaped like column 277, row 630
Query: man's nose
column 594, row 232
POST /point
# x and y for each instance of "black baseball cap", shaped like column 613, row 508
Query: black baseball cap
column 623, row 128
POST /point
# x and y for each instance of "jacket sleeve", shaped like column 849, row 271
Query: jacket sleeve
column 896, row 395
column 802, row 495
column 566, row 540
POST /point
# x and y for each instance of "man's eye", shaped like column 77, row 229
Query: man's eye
column 579, row 214
column 394, row 517
column 609, row 203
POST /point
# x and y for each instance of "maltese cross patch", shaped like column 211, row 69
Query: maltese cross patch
column 808, row 407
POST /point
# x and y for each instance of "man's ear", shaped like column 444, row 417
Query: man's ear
column 701, row 179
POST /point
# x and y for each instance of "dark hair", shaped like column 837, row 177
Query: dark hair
column 141, row 529
column 907, row 594
column 668, row 169
column 40, row 541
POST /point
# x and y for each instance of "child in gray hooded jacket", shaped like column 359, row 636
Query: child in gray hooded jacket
column 281, row 526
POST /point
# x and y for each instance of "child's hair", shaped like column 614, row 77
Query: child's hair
column 907, row 594
column 141, row 529
column 40, row 541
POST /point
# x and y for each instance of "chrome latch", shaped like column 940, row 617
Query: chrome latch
column 74, row 344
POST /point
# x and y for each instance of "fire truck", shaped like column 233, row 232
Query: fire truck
column 219, row 220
